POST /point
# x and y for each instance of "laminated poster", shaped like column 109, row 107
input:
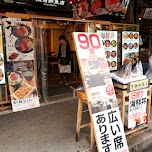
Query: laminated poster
column 2, row 69
column 109, row 39
column 100, row 93
column 130, row 46
column 22, row 85
column 19, row 40
column 137, row 108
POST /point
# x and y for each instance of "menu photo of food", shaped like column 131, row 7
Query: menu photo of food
column 130, row 45
column 131, row 57
column 19, row 40
column 23, row 89
column 109, row 39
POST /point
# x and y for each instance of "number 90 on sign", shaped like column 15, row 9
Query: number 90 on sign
column 89, row 41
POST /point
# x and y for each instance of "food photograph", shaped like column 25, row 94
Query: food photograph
column 22, row 84
column 19, row 40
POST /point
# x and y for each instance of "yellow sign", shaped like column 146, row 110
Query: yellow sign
column 138, row 85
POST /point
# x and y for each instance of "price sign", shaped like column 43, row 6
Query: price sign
column 100, row 93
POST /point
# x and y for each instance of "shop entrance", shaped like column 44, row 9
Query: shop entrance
column 47, row 34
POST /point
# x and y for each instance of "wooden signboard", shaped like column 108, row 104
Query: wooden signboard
column 100, row 93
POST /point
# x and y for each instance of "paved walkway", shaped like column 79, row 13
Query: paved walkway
column 49, row 128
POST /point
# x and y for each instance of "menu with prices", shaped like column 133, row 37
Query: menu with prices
column 130, row 46
column 137, row 108
column 19, row 40
column 23, row 90
column 109, row 39
column 99, row 92
column 2, row 70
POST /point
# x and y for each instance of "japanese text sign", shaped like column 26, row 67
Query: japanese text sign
column 138, row 85
column 109, row 39
column 137, row 108
column 99, row 91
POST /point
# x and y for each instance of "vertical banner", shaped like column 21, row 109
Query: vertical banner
column 2, row 70
column 100, row 93
column 19, row 40
column 130, row 46
column 22, row 85
column 109, row 39
column 137, row 108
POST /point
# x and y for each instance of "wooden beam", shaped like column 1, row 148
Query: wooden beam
column 18, row 15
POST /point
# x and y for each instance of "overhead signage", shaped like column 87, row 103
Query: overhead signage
column 54, row 4
column 89, row 8
column 100, row 93
column 14, row 1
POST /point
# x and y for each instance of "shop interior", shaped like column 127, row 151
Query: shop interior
column 47, row 34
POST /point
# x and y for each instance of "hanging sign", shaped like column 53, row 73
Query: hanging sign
column 100, row 93
column 2, row 69
column 19, row 40
column 53, row 4
column 130, row 47
column 109, row 39
column 89, row 8
column 137, row 108
column 13, row 2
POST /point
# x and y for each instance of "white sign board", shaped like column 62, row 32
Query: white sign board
column 137, row 108
column 130, row 46
column 100, row 92
column 109, row 39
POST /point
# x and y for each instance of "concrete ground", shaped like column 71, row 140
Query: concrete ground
column 49, row 128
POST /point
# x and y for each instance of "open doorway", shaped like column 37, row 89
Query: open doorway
column 47, row 34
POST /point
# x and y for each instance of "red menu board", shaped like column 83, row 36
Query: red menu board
column 100, row 93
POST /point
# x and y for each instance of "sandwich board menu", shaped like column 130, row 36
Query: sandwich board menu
column 109, row 39
column 2, row 70
column 19, row 40
column 103, row 108
column 130, row 46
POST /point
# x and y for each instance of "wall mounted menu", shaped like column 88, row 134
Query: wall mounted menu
column 109, row 39
column 100, row 93
column 19, row 40
column 2, row 70
column 130, row 46
column 22, row 85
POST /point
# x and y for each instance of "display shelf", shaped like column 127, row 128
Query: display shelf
column 123, row 95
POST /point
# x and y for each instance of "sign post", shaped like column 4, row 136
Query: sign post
column 103, row 108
